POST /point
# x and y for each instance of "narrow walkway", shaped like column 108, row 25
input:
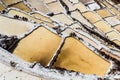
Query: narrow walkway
column 8, row 73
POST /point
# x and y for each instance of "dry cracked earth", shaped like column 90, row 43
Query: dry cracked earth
column 59, row 39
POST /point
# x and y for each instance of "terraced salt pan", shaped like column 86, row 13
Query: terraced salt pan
column 38, row 46
column 1, row 7
column 84, row 37
column 10, row 27
column 115, row 11
column 117, row 42
column 40, row 16
column 75, row 26
column 77, row 15
column 22, row 14
column 68, row 3
column 39, row 5
column 49, row 24
column 75, row 56
column 81, row 7
column 113, row 20
column 91, row 16
column 107, row 4
column 113, row 3
column 46, row 20
column 104, row 27
column 113, row 35
column 117, row 27
column 9, row 2
column 62, row 18
column 38, row 70
column 55, row 7
column 21, row 6
column 103, row 13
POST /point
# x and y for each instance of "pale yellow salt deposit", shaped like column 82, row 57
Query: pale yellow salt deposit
column 40, row 16
column 39, row 46
column 75, row 56
column 11, row 27
column 22, row 14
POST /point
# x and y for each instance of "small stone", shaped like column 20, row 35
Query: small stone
column 13, row 64
column 51, row 14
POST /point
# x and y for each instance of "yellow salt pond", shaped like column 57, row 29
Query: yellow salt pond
column 40, row 16
column 1, row 7
column 21, row 6
column 9, row 2
column 94, row 18
column 79, row 17
column 75, row 56
column 103, row 13
column 107, row 4
column 117, row 27
column 115, row 11
column 9, row 26
column 38, row 46
column 104, row 27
